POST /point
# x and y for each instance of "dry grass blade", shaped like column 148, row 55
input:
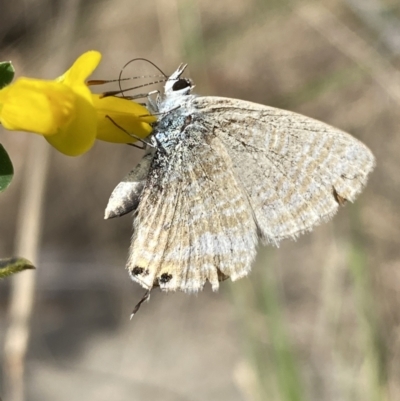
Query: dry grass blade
column 29, row 234
column 23, row 286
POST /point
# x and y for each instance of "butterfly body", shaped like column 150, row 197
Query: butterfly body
column 226, row 173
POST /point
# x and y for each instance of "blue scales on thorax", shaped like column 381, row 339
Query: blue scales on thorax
column 170, row 130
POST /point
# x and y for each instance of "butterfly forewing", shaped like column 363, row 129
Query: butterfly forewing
column 295, row 170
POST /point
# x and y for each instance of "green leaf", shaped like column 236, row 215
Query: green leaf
column 6, row 73
column 14, row 265
column 6, row 169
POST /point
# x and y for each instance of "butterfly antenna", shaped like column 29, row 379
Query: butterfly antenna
column 121, row 91
column 92, row 82
column 139, row 59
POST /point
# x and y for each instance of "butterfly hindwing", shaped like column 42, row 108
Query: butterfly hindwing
column 194, row 223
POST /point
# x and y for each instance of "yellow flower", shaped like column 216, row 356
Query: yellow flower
column 121, row 111
column 67, row 114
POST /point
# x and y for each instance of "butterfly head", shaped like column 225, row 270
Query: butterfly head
column 177, row 86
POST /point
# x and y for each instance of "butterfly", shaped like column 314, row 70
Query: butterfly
column 223, row 175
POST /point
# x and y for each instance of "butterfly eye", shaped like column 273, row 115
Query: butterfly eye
column 181, row 84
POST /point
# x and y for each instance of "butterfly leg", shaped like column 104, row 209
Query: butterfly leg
column 146, row 297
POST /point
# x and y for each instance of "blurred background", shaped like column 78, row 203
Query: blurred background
column 317, row 319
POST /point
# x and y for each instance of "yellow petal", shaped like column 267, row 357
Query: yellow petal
column 36, row 106
column 4, row 95
column 131, row 116
column 78, row 136
column 81, row 69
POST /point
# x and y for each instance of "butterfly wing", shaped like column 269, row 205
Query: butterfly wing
column 193, row 222
column 295, row 170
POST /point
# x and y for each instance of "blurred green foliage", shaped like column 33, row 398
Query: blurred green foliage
column 6, row 169
column 14, row 265
column 6, row 73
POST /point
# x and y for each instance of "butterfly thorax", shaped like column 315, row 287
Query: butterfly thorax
column 179, row 127
column 176, row 135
